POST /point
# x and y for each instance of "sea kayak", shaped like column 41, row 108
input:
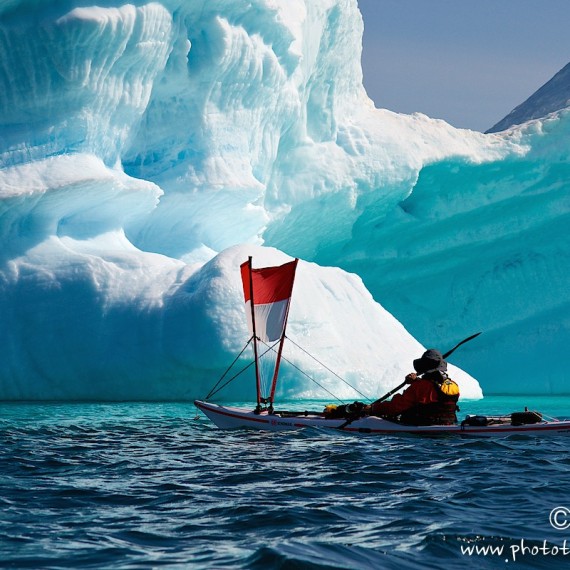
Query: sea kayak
column 227, row 417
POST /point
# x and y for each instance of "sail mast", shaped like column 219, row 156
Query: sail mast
column 255, row 354
column 281, row 341
column 268, row 291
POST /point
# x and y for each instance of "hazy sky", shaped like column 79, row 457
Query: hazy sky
column 469, row 62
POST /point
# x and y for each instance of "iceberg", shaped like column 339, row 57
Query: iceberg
column 148, row 148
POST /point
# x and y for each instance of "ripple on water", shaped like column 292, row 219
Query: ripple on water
column 128, row 487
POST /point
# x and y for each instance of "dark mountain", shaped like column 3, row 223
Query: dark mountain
column 552, row 96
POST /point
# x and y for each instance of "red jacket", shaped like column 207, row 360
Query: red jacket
column 421, row 391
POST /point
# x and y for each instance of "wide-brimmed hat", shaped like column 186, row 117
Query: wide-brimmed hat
column 430, row 361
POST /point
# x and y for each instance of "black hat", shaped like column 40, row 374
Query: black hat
column 431, row 360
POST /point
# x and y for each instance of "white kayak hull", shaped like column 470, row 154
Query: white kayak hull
column 227, row 417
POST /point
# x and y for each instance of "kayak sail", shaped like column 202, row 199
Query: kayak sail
column 267, row 292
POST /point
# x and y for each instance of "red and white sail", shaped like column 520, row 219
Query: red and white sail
column 267, row 292
column 269, row 289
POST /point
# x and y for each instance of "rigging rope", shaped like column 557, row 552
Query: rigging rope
column 549, row 418
column 327, row 368
column 267, row 368
column 213, row 391
column 305, row 374
column 216, row 389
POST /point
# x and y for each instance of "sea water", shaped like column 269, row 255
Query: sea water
column 150, row 486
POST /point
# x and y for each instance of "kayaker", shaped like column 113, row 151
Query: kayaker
column 431, row 398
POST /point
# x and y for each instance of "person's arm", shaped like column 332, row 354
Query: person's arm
column 398, row 404
column 419, row 392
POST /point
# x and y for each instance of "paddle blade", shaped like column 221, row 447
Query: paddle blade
column 459, row 344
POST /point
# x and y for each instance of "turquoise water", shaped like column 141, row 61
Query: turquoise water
column 149, row 486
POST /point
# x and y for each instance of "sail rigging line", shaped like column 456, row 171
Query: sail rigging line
column 213, row 391
column 252, row 303
column 305, row 374
column 268, row 291
column 329, row 370
column 266, row 368
column 281, row 341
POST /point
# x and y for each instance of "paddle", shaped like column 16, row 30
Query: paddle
column 386, row 396
column 459, row 344
column 350, row 420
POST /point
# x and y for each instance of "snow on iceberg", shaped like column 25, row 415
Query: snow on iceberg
column 141, row 140
column 482, row 247
column 142, row 326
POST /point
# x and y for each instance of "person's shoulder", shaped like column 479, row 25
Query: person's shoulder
column 450, row 387
column 423, row 384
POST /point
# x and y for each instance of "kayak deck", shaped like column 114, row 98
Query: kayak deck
column 227, row 417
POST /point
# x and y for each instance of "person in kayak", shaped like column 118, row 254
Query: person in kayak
column 431, row 398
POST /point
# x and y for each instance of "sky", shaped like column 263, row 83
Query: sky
column 469, row 62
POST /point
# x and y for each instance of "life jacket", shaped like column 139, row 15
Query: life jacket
column 441, row 412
